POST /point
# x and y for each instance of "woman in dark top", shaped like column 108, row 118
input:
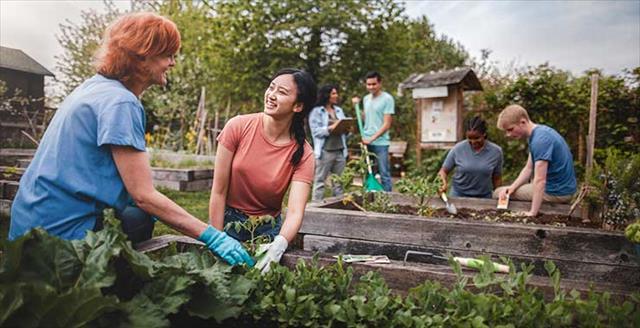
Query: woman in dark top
column 477, row 163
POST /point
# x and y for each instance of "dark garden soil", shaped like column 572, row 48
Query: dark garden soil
column 492, row 215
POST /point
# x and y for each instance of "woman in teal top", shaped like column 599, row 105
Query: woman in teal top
column 93, row 157
column 477, row 163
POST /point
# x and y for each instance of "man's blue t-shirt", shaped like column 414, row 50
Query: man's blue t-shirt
column 546, row 144
column 73, row 176
column 374, row 110
column 474, row 171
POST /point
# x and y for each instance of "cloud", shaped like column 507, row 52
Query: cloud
column 571, row 35
column 31, row 26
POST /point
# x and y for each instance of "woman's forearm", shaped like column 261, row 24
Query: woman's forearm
column 216, row 210
column 171, row 213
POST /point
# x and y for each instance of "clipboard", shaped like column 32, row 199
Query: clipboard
column 344, row 125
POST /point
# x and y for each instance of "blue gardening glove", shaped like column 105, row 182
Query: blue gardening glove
column 271, row 252
column 226, row 247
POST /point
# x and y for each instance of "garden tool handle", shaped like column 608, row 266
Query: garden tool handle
column 477, row 264
column 357, row 107
column 444, row 197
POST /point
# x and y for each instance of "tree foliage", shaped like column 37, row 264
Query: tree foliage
column 80, row 41
column 556, row 98
column 232, row 47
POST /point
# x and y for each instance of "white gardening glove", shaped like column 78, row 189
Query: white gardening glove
column 271, row 252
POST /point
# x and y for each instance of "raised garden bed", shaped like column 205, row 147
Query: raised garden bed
column 182, row 172
column 583, row 254
column 183, row 179
column 102, row 282
column 10, row 156
column 9, row 181
column 400, row 275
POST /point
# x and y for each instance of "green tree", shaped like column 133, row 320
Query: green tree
column 80, row 41
column 232, row 47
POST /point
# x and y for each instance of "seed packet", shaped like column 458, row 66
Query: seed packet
column 503, row 202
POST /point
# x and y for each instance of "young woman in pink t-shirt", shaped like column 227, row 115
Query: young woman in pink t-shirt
column 262, row 155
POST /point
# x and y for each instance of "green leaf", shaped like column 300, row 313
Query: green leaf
column 10, row 300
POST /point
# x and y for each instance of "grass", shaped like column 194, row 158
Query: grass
column 194, row 202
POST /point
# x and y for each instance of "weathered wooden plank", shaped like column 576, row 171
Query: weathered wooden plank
column 164, row 241
column 8, row 189
column 172, row 174
column 623, row 274
column 5, row 207
column 404, row 277
column 17, row 152
column 196, row 185
column 181, row 174
column 398, row 276
column 23, row 162
column 513, row 240
column 202, row 174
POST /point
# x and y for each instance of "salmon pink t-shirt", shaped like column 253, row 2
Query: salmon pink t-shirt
column 260, row 170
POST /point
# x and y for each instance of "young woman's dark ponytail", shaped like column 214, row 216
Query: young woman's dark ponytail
column 307, row 91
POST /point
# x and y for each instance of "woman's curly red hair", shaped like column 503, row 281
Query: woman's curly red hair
column 132, row 38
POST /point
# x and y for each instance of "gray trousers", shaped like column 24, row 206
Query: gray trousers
column 332, row 161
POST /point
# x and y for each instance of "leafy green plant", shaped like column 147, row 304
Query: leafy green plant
column 102, row 281
column 252, row 223
column 632, row 232
column 615, row 188
column 9, row 171
column 422, row 188
column 380, row 202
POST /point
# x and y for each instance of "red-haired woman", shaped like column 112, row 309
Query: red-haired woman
column 93, row 156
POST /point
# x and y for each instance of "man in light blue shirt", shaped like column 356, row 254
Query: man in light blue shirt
column 378, row 108
column 550, row 162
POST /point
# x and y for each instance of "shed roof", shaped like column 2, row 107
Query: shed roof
column 17, row 60
column 464, row 76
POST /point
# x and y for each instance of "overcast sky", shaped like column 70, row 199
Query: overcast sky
column 572, row 35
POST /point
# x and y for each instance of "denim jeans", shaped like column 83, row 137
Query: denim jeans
column 135, row 223
column 234, row 215
column 382, row 153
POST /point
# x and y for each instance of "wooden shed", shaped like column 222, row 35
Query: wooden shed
column 439, row 105
column 19, row 71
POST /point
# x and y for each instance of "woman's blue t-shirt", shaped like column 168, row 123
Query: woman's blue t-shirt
column 73, row 176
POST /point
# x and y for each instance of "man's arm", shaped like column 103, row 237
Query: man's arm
column 134, row 168
column 386, row 124
column 539, row 182
column 522, row 178
column 220, row 187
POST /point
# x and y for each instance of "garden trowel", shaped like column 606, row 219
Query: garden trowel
column 451, row 208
